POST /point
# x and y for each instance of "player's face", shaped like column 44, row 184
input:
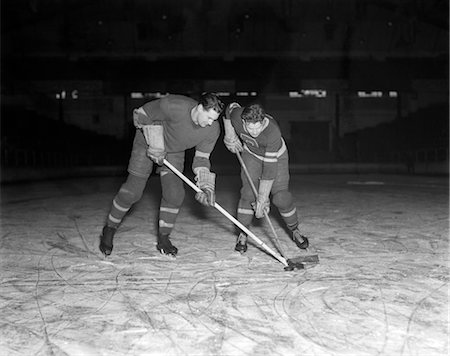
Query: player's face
column 254, row 129
column 206, row 117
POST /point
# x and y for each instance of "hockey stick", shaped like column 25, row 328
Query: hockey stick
column 230, row 217
column 291, row 261
column 266, row 215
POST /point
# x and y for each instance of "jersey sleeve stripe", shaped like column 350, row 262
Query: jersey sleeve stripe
column 269, row 157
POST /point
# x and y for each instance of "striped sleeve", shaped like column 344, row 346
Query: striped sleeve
column 270, row 161
column 203, row 149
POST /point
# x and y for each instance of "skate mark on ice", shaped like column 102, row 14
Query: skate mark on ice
column 171, row 338
column 140, row 313
column 245, row 331
column 76, row 286
column 312, row 327
column 156, row 326
column 168, row 282
column 284, row 300
column 66, row 246
column 47, row 343
column 3, row 238
column 259, row 305
column 225, row 322
column 191, row 296
column 412, row 315
column 57, row 273
column 386, row 323
column 161, row 303
column 74, row 218
column 392, row 244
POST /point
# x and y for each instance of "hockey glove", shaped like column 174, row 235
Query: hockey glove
column 231, row 140
column 139, row 116
column 206, row 181
column 229, row 109
column 262, row 204
column 154, row 136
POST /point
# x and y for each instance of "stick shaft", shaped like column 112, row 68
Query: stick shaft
column 228, row 215
column 266, row 215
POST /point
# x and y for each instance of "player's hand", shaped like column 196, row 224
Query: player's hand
column 261, row 206
column 206, row 197
column 230, row 108
column 206, row 181
column 233, row 144
column 156, row 156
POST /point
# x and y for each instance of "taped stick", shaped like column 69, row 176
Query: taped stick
column 266, row 215
column 228, row 215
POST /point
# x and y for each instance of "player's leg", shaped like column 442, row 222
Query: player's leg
column 139, row 169
column 283, row 200
column 172, row 198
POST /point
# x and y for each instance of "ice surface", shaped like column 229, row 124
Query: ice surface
column 381, row 287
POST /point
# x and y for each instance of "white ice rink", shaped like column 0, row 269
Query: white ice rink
column 381, row 287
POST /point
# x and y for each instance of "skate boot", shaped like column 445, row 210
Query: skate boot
column 300, row 240
column 106, row 240
column 165, row 247
column 241, row 243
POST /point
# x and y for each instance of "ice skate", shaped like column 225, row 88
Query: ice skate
column 165, row 247
column 106, row 240
column 241, row 243
column 300, row 240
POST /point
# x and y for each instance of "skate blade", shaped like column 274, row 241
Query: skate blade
column 241, row 250
column 106, row 251
column 170, row 255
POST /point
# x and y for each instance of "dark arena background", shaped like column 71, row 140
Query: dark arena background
column 360, row 90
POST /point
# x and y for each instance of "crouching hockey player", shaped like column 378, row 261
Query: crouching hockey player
column 254, row 133
column 165, row 129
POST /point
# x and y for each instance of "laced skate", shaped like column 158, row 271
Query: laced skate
column 241, row 243
column 300, row 240
column 165, row 247
column 106, row 240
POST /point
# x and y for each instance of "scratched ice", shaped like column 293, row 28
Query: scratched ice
column 381, row 287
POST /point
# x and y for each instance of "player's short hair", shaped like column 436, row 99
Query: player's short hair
column 253, row 113
column 211, row 101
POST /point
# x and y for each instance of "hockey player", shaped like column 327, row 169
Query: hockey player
column 254, row 133
column 165, row 129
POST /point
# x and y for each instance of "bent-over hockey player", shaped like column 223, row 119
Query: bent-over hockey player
column 165, row 129
column 254, row 133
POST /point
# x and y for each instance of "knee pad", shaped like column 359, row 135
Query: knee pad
column 282, row 199
column 131, row 191
column 247, row 195
column 172, row 189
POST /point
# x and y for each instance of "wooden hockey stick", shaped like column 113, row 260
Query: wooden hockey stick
column 296, row 261
column 229, row 216
column 266, row 215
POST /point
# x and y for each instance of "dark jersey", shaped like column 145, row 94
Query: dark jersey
column 267, row 147
column 180, row 132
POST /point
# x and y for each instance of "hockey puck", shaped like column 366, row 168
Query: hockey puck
column 291, row 266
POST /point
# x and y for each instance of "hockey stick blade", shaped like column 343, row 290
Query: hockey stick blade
column 305, row 259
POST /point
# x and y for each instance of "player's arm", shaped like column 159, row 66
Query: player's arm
column 269, row 172
column 201, row 166
column 231, row 140
column 272, row 144
column 148, row 118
